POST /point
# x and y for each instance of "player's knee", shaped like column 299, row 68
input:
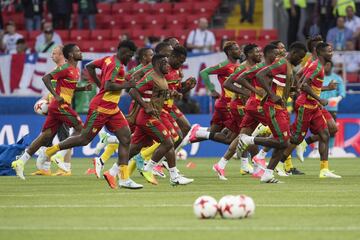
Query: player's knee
column 333, row 130
column 168, row 143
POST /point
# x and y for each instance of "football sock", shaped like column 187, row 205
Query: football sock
column 288, row 163
column 324, row 164
column 146, row 153
column 25, row 157
column 124, row 172
column 109, row 151
column 114, row 170
column 203, row 134
column 244, row 161
column 174, row 172
column 131, row 166
column 222, row 163
column 52, row 150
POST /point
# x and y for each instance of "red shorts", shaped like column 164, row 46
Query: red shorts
column 237, row 113
column 327, row 115
column 149, row 129
column 175, row 112
column 60, row 115
column 254, row 114
column 307, row 118
column 169, row 123
column 96, row 120
column 278, row 122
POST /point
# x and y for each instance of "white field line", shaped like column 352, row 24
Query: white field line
column 185, row 228
column 173, row 205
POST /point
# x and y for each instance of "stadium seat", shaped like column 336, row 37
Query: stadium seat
column 352, row 77
column 181, row 35
column 193, row 20
column 155, row 21
column 132, row 21
column 100, row 34
column 268, row 34
column 247, row 35
column 161, row 8
column 140, row 34
column 64, row 34
column 141, row 8
column 24, row 33
column 162, row 33
column 91, row 46
column 205, row 7
column 224, row 34
column 176, row 21
column 79, row 35
column 116, row 34
column 110, row 45
column 261, row 43
column 104, row 8
column 122, row 8
column 183, row 8
column 18, row 18
column 33, row 34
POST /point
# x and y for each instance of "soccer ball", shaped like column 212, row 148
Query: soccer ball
column 181, row 155
column 232, row 207
column 250, row 205
column 205, row 207
column 41, row 107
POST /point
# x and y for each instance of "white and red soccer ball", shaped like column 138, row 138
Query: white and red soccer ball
column 41, row 106
column 181, row 155
column 229, row 207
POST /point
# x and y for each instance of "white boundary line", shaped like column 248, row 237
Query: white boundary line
column 279, row 205
column 185, row 228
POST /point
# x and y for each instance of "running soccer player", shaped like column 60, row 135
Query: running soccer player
column 104, row 111
column 150, row 93
column 276, row 80
column 60, row 110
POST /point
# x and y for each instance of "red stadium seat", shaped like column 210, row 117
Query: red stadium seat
column 110, row 46
column 139, row 34
column 352, row 77
column 33, row 34
column 162, row 33
column 122, row 8
column 79, row 35
column 205, row 7
column 100, row 34
column 91, row 46
column 247, row 35
column 193, row 20
column 132, row 21
column 141, row 8
column 176, row 21
column 181, row 35
column 24, row 33
column 155, row 21
column 161, row 8
column 64, row 34
column 224, row 34
column 104, row 8
column 269, row 35
column 183, row 8
column 261, row 43
column 17, row 18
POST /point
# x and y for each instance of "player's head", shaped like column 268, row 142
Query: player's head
column 232, row 49
column 164, row 48
column 271, row 52
column 328, row 67
column 160, row 63
column 281, row 46
column 177, row 57
column 312, row 42
column 125, row 51
column 173, row 41
column 72, row 52
column 324, row 50
column 252, row 52
column 145, row 55
column 57, row 54
column 297, row 52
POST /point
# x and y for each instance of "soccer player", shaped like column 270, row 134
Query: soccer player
column 281, row 46
column 104, row 111
column 60, row 110
column 277, row 81
column 309, row 114
column 173, row 41
column 150, row 93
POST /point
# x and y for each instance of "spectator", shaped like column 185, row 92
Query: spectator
column 33, row 10
column 352, row 22
column 201, row 40
column 21, row 47
column 60, row 11
column 47, row 40
column 10, row 38
column 339, row 35
column 247, row 15
column 87, row 10
column 341, row 5
column 295, row 10
column 325, row 17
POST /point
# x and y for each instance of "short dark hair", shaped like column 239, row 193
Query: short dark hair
column 268, row 48
column 248, row 48
column 320, row 47
column 179, row 51
column 127, row 44
column 67, row 49
column 297, row 46
column 20, row 41
column 142, row 51
column 276, row 42
column 167, row 40
column 161, row 46
column 329, row 61
column 313, row 41
column 157, row 58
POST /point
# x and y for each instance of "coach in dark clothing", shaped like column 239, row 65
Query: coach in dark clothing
column 61, row 13
column 33, row 10
column 324, row 12
column 87, row 10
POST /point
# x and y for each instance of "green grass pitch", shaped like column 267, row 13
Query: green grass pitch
column 83, row 207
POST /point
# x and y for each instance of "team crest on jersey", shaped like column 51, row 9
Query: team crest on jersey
column 94, row 130
column 285, row 134
column 165, row 132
